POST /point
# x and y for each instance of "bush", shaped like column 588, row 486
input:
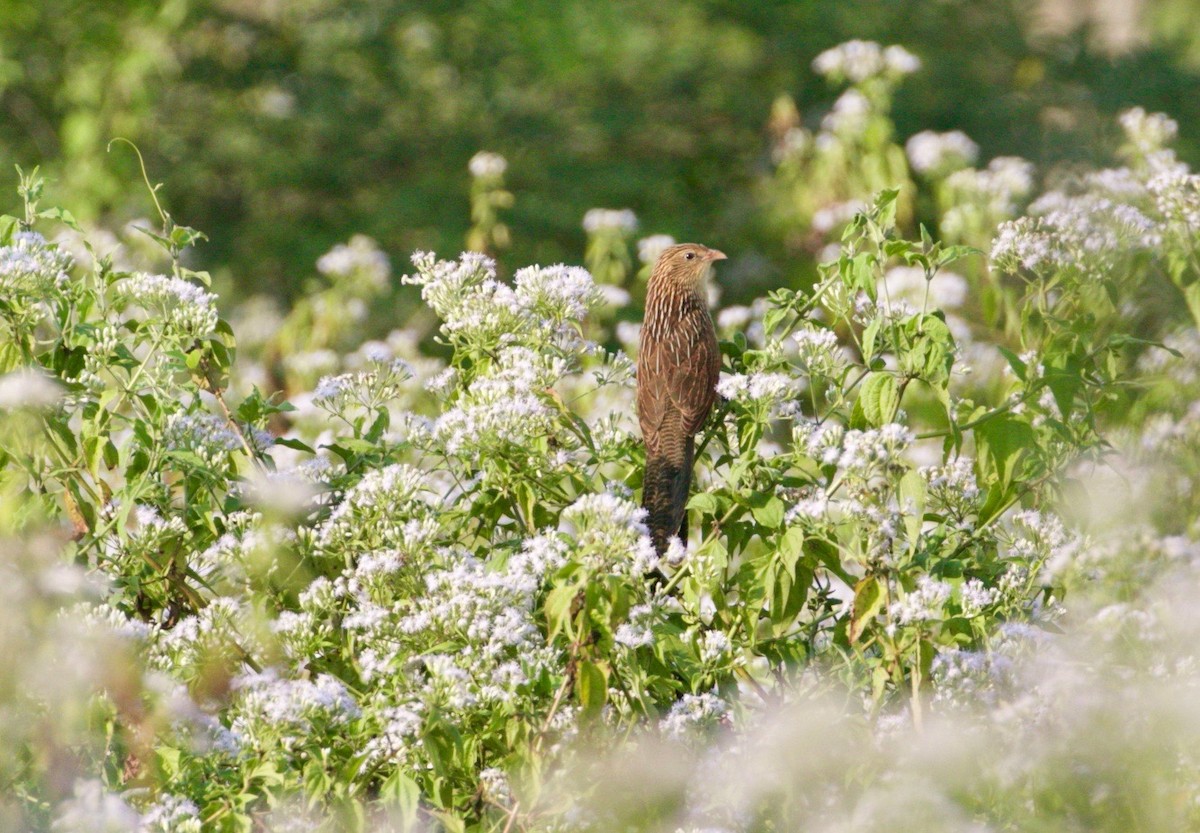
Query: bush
column 419, row 592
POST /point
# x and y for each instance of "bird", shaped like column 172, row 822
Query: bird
column 679, row 362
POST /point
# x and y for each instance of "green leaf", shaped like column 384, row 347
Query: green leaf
column 1001, row 442
column 402, row 791
column 704, row 502
column 289, row 442
column 557, row 608
column 930, row 353
column 868, row 598
column 591, row 683
column 767, row 510
column 791, row 546
column 1019, row 368
column 879, row 399
column 869, row 336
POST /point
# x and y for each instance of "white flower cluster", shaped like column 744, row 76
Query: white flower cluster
column 374, row 513
column 171, row 814
column 694, row 713
column 1148, row 132
column 1040, row 539
column 31, row 268
column 1088, row 233
column 489, row 611
column 1176, row 196
column 649, row 248
column 150, row 530
column 952, row 487
column 858, row 60
column 92, row 809
column 922, row 604
column 506, row 410
column 938, row 154
column 487, row 165
column 610, row 533
column 864, row 452
column 601, row 220
column 974, row 598
column 848, row 118
column 906, row 286
column 212, row 634
column 980, row 199
column 209, row 436
column 543, row 308
column 28, row 388
column 183, row 307
column 818, row 351
column 268, row 707
column 375, row 386
column 638, row 631
column 765, row 390
column 835, row 215
column 359, row 260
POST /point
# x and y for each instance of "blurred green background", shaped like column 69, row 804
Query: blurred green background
column 281, row 127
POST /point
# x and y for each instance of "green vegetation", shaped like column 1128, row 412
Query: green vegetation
column 266, row 571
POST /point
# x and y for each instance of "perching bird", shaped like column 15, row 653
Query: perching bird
column 678, row 365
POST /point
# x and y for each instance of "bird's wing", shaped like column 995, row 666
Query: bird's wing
column 677, row 377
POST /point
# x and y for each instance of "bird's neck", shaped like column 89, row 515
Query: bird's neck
column 669, row 302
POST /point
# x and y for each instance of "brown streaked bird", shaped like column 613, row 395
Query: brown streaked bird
column 678, row 365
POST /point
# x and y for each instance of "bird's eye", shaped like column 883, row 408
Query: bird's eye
column 690, row 255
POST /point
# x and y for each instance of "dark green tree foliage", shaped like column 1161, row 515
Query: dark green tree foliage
column 287, row 126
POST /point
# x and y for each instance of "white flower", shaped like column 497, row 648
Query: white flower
column 31, row 268
column 938, row 154
column 1148, row 132
column 863, row 451
column 598, row 220
column 849, row 116
column 611, row 532
column 833, row 216
column 714, row 647
column 818, row 350
column 859, row 60
column 92, row 809
column 907, row 284
column 28, row 388
column 171, row 814
column 637, row 631
column 361, row 259
column 760, row 389
column 922, row 604
column 182, row 306
column 487, row 164
column 649, row 248
column 974, row 597
column 734, row 318
column 209, row 436
column 694, row 712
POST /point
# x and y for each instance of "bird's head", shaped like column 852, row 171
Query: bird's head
column 685, row 265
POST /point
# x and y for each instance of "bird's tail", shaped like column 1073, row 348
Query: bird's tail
column 665, row 493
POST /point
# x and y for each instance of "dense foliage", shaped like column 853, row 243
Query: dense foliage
column 942, row 520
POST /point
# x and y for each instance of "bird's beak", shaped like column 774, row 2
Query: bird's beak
column 714, row 254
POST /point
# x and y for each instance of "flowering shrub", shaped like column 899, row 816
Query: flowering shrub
column 412, row 588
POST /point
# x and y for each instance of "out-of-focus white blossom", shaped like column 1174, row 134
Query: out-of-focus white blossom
column 938, row 154
column 28, row 388
column 486, row 164
column 858, row 60
column 598, row 220
column 649, row 248
column 361, row 260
